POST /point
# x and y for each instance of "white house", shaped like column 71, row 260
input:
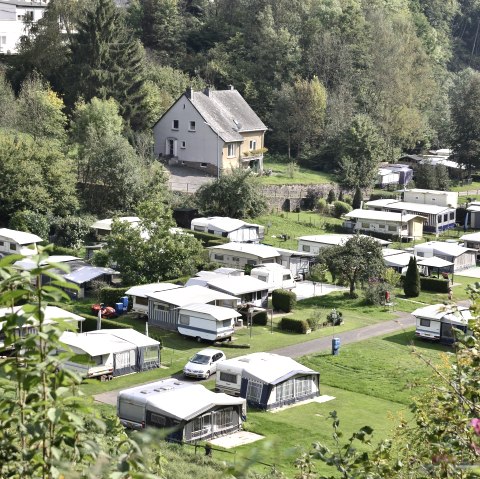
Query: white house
column 13, row 17
column 239, row 255
column 267, row 380
column 314, row 243
column 18, row 242
column 438, row 218
column 461, row 257
column 214, row 131
column 437, row 321
column 140, row 294
column 387, row 223
column 231, row 228
column 189, row 412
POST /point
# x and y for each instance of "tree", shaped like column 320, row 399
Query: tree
column 358, row 260
column 107, row 62
column 32, row 222
column 357, row 199
column 432, row 177
column 235, row 194
column 8, row 105
column 40, row 110
column 361, row 153
column 151, row 252
column 465, row 109
column 411, row 282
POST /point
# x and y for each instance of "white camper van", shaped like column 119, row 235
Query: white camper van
column 275, row 275
column 207, row 322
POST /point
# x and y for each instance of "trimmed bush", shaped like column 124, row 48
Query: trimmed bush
column 411, row 282
column 340, row 208
column 208, row 239
column 388, row 195
column 322, row 205
column 284, row 300
column 110, row 296
column 90, row 324
column 293, row 325
column 434, row 284
column 260, row 318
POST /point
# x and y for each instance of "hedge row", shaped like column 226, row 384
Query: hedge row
column 434, row 284
column 109, row 296
column 208, row 239
column 293, row 325
column 90, row 324
column 284, row 300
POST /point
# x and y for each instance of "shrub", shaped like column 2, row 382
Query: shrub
column 340, row 208
column 335, row 317
column 109, row 296
column 208, row 239
column 331, row 196
column 322, row 205
column 293, row 325
column 284, row 300
column 374, row 293
column 260, row 318
column 411, row 283
column 61, row 250
column 31, row 222
column 101, row 258
column 90, row 324
column 348, row 199
column 383, row 195
column 314, row 321
column 71, row 231
column 434, row 284
column 357, row 199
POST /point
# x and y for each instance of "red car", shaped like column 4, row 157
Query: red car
column 107, row 311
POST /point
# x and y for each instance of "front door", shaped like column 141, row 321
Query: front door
column 171, row 148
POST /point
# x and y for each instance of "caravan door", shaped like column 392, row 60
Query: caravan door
column 124, row 363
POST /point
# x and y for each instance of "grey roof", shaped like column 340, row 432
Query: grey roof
column 227, row 113
column 87, row 273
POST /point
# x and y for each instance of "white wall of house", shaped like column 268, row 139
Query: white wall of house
column 199, row 146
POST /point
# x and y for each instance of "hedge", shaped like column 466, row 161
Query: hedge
column 434, row 284
column 208, row 239
column 260, row 318
column 90, row 324
column 390, row 195
column 110, row 296
column 293, row 325
column 284, row 300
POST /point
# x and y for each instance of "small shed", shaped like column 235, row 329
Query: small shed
column 113, row 352
column 247, row 288
column 189, row 412
column 164, row 306
column 267, row 380
column 436, row 321
column 140, row 294
column 472, row 240
column 462, row 258
column 18, row 242
column 84, row 276
column 231, row 228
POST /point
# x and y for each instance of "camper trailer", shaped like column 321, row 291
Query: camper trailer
column 275, row 275
column 207, row 322
column 140, row 294
column 437, row 321
column 168, row 404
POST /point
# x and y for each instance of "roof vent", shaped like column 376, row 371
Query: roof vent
column 231, row 87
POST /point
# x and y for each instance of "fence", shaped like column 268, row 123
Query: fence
column 469, row 193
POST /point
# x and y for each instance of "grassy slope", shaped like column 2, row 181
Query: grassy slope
column 301, row 176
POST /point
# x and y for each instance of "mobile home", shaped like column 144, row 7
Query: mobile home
column 266, row 380
column 249, row 289
column 111, row 352
column 437, row 321
column 239, row 255
column 18, row 242
column 462, row 258
column 231, row 228
column 207, row 322
column 275, row 275
column 189, row 412
column 140, row 294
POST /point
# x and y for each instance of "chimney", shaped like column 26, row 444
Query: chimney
column 231, row 87
column 189, row 93
column 207, row 91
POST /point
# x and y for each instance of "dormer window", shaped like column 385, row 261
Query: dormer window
column 175, row 125
column 191, row 126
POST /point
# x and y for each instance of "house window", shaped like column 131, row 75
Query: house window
column 306, row 248
column 253, row 144
column 392, row 228
column 254, row 391
column 183, row 144
column 191, row 126
column 425, row 322
column 218, row 256
column 184, row 319
column 251, row 261
column 203, row 165
column 212, row 232
column 228, row 378
column 303, row 386
column 13, row 246
column 286, row 390
column 231, row 147
column 175, row 125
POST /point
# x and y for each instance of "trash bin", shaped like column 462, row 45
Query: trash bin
column 335, row 346
column 119, row 308
column 124, row 300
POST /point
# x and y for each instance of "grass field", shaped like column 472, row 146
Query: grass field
column 301, row 176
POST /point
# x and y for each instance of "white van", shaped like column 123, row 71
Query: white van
column 207, row 322
column 275, row 275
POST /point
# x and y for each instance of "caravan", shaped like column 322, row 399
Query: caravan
column 275, row 275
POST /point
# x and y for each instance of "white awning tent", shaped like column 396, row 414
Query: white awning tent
column 52, row 314
column 144, row 290
column 191, row 294
column 217, row 312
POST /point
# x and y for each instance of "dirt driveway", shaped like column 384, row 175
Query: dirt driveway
column 185, row 179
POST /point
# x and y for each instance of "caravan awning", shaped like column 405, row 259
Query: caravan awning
column 95, row 344
column 434, row 262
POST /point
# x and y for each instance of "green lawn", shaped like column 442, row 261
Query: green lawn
column 475, row 185
column 301, row 176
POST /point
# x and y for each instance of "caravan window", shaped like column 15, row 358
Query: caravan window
column 184, row 319
column 254, row 391
column 286, row 277
column 306, row 248
column 285, row 390
column 226, row 323
column 425, row 322
column 251, row 261
column 150, row 353
column 161, row 307
column 158, row 420
column 303, row 386
column 218, row 256
column 223, row 418
column 228, row 378
column 141, row 301
column 198, row 228
column 262, row 278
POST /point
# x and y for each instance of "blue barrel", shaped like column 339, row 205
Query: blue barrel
column 124, row 300
column 119, row 308
column 335, row 346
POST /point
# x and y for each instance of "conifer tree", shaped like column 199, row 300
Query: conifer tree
column 107, row 62
column 411, row 282
column 357, row 199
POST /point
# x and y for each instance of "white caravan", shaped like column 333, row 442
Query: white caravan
column 275, row 275
column 207, row 322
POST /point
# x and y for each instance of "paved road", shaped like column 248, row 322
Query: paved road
column 404, row 320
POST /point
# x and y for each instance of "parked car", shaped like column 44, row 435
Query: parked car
column 204, row 363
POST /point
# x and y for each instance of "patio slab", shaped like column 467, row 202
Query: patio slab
column 236, row 439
